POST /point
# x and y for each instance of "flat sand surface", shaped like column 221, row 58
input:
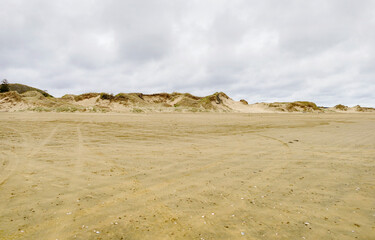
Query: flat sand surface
column 187, row 176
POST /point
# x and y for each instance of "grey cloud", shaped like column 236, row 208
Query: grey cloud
column 270, row 50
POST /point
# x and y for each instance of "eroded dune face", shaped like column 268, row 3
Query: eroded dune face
column 187, row 176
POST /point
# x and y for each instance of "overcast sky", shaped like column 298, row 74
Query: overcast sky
column 318, row 50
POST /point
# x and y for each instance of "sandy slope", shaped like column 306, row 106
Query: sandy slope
column 187, row 176
column 158, row 102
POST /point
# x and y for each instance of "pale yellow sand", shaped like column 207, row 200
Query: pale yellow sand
column 187, row 176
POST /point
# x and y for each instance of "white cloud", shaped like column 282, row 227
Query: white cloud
column 270, row 50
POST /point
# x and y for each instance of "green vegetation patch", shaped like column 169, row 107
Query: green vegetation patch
column 304, row 105
column 341, row 107
column 106, row 96
column 21, row 88
column 137, row 110
column 85, row 96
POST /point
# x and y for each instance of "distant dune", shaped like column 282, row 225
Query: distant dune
column 21, row 88
column 25, row 98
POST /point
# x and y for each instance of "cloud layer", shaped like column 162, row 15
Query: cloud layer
column 322, row 51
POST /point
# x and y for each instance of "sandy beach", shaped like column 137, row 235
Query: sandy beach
column 187, row 176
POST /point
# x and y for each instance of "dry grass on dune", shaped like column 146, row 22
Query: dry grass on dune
column 85, row 96
column 341, row 107
column 158, row 102
column 298, row 106
column 11, row 96
column 244, row 101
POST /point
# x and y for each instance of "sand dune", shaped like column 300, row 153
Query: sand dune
column 187, row 176
column 160, row 102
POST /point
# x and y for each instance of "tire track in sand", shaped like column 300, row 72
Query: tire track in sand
column 143, row 194
column 149, row 192
column 9, row 168
column 38, row 148
column 13, row 163
column 54, row 229
column 35, row 149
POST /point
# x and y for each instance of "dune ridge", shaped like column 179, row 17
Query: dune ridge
column 159, row 102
